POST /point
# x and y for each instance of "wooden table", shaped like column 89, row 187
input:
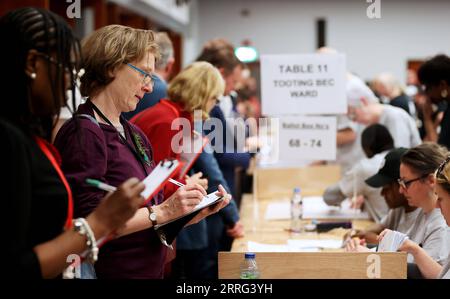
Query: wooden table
column 272, row 185
column 258, row 229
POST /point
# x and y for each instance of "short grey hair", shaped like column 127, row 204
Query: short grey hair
column 165, row 49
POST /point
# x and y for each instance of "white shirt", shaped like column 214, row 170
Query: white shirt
column 349, row 154
column 402, row 127
column 374, row 204
column 66, row 113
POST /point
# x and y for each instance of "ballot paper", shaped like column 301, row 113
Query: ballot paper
column 314, row 207
column 313, row 243
column 261, row 247
column 303, row 245
column 278, row 211
column 392, row 241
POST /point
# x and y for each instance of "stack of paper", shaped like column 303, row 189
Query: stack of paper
column 392, row 241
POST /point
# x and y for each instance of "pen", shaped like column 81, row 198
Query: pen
column 101, row 185
column 176, row 183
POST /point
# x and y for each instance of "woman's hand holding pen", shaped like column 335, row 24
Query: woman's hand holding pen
column 116, row 208
column 180, row 203
column 357, row 202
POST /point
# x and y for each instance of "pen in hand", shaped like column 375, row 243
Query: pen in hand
column 176, row 183
column 101, row 185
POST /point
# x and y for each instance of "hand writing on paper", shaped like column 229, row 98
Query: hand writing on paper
column 357, row 202
column 180, row 203
column 197, row 179
column 213, row 208
column 236, row 231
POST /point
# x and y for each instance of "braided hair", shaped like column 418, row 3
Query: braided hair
column 30, row 28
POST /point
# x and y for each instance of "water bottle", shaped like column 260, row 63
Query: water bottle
column 296, row 211
column 249, row 269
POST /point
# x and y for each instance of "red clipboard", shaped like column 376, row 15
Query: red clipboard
column 190, row 154
column 157, row 185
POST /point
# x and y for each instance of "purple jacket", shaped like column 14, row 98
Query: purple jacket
column 94, row 150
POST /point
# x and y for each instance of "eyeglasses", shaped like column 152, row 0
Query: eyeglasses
column 405, row 184
column 54, row 61
column 76, row 74
column 148, row 79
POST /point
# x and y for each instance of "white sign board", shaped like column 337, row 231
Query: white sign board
column 307, row 138
column 303, row 84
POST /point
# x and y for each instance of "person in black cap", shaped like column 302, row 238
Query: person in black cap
column 401, row 216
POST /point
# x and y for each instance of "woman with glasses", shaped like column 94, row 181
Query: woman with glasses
column 195, row 89
column 39, row 230
column 428, row 243
column 98, row 143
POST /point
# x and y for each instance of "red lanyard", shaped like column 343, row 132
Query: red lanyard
column 45, row 147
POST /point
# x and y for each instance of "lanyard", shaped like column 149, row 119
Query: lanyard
column 45, row 147
column 131, row 148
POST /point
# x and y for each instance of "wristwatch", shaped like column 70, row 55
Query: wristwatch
column 152, row 215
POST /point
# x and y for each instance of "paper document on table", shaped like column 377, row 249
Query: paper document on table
column 314, row 207
column 262, row 247
column 278, row 211
column 321, row 243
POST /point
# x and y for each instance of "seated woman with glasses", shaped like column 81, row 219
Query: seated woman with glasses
column 417, row 184
column 98, row 143
column 428, row 243
column 401, row 215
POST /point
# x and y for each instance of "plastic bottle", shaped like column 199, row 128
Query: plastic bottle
column 249, row 269
column 296, row 211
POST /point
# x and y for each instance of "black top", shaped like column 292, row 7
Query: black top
column 34, row 202
column 402, row 101
column 444, row 135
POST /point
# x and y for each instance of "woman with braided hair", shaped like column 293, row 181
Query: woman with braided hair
column 42, row 57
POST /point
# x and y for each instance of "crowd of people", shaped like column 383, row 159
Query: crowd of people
column 123, row 101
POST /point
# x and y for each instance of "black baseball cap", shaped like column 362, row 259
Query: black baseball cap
column 389, row 170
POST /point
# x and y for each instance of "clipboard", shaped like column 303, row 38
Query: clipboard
column 189, row 154
column 154, row 182
column 168, row 231
column 158, row 178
